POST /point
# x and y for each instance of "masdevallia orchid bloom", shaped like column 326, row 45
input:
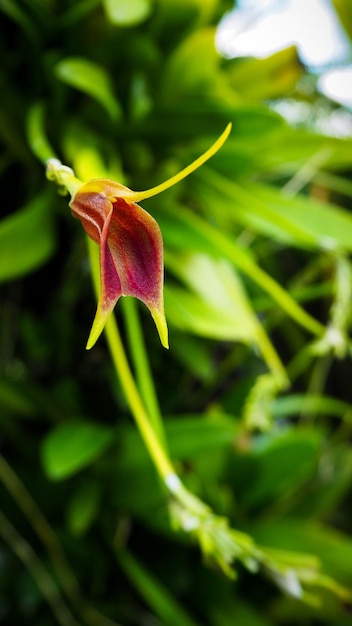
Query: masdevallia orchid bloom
column 131, row 246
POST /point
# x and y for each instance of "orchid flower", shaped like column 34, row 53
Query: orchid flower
column 131, row 246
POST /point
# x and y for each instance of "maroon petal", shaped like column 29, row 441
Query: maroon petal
column 136, row 245
column 131, row 252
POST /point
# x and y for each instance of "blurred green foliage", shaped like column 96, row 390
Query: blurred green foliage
column 255, row 390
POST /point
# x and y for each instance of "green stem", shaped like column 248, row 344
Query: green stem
column 144, row 376
column 143, row 421
column 272, row 358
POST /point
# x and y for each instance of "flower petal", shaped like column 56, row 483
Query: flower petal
column 136, row 246
column 95, row 210
column 131, row 252
column 110, row 286
column 92, row 209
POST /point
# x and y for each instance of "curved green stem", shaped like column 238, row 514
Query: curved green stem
column 141, row 364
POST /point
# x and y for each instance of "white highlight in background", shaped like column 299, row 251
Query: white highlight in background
column 260, row 29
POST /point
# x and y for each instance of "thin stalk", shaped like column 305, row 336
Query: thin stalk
column 144, row 376
column 272, row 358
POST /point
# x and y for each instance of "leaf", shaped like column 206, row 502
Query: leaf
column 311, row 404
column 190, row 313
column 222, row 309
column 195, row 355
column 299, row 220
column 278, row 464
column 237, row 204
column 26, row 239
column 329, row 225
column 131, row 13
column 91, row 79
column 192, row 68
column 200, row 120
column 72, row 446
column 274, row 76
column 90, row 155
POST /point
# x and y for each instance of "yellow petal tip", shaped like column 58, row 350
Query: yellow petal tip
column 97, row 328
column 161, row 326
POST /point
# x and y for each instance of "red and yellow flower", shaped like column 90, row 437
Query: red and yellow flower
column 131, row 246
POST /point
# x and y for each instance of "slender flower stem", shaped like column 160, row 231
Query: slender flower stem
column 144, row 376
column 151, row 440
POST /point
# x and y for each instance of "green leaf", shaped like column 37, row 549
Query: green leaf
column 192, row 69
column 211, row 239
column 311, row 404
column 131, row 13
column 195, row 355
column 274, row 76
column 26, row 239
column 237, row 203
column 201, row 119
column 299, row 220
column 222, row 309
column 72, row 446
column 91, row 79
column 219, row 307
column 329, row 225
column 277, row 465
column 188, row 312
